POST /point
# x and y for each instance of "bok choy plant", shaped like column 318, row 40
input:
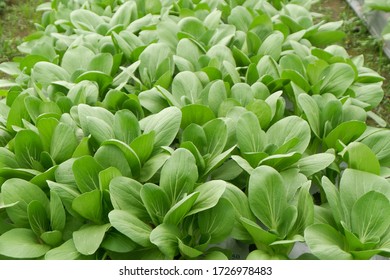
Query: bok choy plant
column 190, row 130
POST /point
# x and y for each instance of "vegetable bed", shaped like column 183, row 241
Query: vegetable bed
column 191, row 129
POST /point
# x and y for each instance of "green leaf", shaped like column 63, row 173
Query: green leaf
column 272, row 45
column 67, row 251
column 102, row 62
column 152, row 166
column 165, row 238
column 37, row 217
column 126, row 126
column 217, row 221
column 18, row 112
column 216, row 135
column 178, row 175
column 197, row 114
column 369, row 216
column 196, row 135
column 87, row 240
column 99, row 129
column 46, row 128
column 85, row 19
column 241, row 18
column 354, row 184
column 63, row 142
column 267, row 196
column 105, row 177
column 112, row 156
column 217, row 95
column 156, row 202
column 7, row 158
column 77, row 58
column 89, row 205
column 186, row 84
column 117, row 242
column 57, row 212
column 125, row 195
column 188, row 50
column 249, row 135
column 46, row 73
column 209, row 195
column 379, row 144
column 150, row 60
column 305, row 210
column 312, row 112
column 326, row 243
column 131, row 157
column 360, row 157
column 262, row 111
column 83, row 111
column 66, row 192
column 333, row 198
column 21, row 192
column 287, row 129
column 86, row 172
column 337, row 78
column 28, row 148
column 125, row 14
column 345, row 132
column 258, row 234
column 312, row 164
column 188, row 251
column 131, row 226
column 52, row 238
column 166, row 125
column 177, row 212
column 21, row 243
column 143, row 146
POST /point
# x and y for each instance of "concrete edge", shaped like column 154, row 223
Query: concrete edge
column 374, row 20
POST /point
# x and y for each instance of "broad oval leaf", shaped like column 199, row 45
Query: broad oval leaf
column 21, row 243
column 87, row 240
column 125, row 194
column 178, row 211
column 67, row 251
column 178, row 175
column 21, row 192
column 186, row 84
column 209, row 195
column 131, row 226
column 267, row 196
column 63, row 142
column 326, row 243
column 165, row 237
column 312, row 164
column 156, row 202
column 250, row 136
column 337, row 78
column 37, row 217
column 361, row 157
column 369, row 217
column 126, row 127
column 355, row 183
column 217, row 221
column 196, row 114
column 89, row 205
column 86, row 173
column 287, row 129
column 166, row 125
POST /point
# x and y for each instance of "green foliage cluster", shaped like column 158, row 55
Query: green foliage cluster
column 3, row 5
column 173, row 129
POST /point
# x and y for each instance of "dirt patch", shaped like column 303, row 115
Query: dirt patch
column 359, row 41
